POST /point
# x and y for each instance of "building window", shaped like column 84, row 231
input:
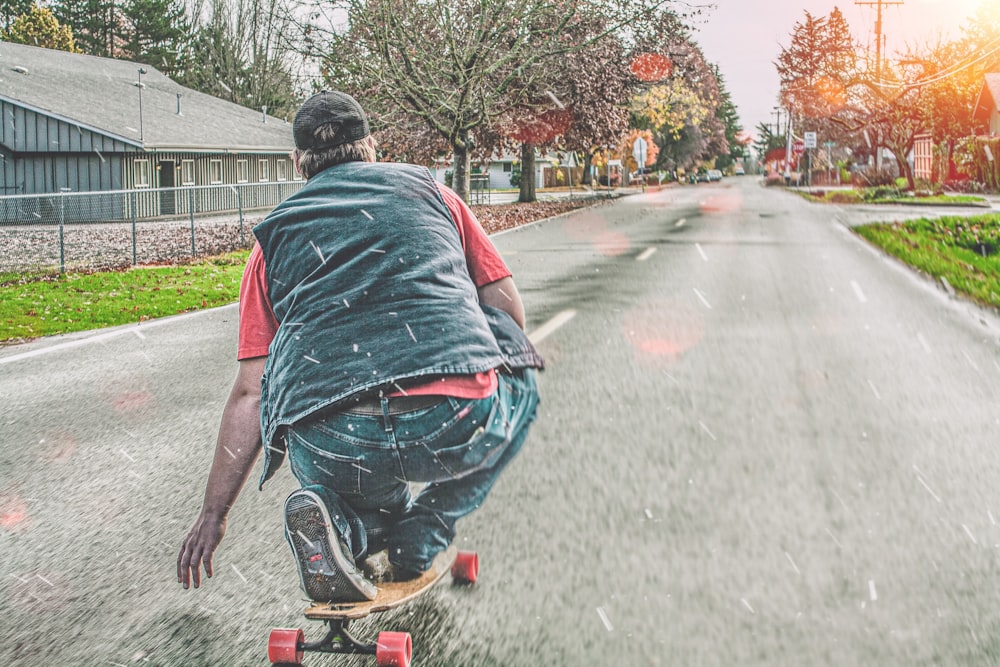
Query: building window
column 263, row 170
column 242, row 171
column 187, row 172
column 142, row 173
column 507, row 167
column 282, row 171
column 215, row 172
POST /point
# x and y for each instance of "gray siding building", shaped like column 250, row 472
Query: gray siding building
column 80, row 123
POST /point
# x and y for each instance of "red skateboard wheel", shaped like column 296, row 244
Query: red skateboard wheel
column 466, row 567
column 394, row 649
column 283, row 646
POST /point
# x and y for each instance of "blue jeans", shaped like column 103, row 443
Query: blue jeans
column 362, row 466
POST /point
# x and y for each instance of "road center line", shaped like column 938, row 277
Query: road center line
column 701, row 252
column 646, row 254
column 543, row 332
column 680, row 223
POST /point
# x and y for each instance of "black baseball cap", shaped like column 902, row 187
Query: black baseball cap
column 329, row 108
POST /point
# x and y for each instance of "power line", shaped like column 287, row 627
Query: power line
column 878, row 30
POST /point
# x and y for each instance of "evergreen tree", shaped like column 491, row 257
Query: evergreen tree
column 94, row 24
column 154, row 32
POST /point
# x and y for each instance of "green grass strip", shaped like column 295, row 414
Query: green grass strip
column 962, row 250
column 42, row 305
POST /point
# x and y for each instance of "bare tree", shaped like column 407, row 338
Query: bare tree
column 457, row 67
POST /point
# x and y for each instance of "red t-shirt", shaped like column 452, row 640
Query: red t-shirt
column 258, row 323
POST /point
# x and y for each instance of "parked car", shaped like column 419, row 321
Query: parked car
column 738, row 170
column 714, row 175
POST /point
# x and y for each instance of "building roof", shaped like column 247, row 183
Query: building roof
column 101, row 94
column 989, row 96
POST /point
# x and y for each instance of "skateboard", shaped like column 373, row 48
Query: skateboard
column 286, row 646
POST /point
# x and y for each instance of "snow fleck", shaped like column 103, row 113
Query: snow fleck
column 318, row 252
column 604, row 619
column 308, row 358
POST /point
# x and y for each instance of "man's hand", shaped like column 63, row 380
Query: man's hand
column 199, row 546
column 235, row 453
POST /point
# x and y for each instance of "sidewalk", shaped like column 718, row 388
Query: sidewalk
column 581, row 192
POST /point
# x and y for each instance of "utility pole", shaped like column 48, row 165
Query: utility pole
column 878, row 58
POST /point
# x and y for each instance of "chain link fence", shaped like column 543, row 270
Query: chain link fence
column 115, row 229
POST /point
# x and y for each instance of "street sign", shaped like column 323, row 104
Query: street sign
column 639, row 152
column 799, row 148
column 810, row 140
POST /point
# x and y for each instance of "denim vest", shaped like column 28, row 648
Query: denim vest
column 367, row 277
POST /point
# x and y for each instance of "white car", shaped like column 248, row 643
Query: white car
column 714, row 175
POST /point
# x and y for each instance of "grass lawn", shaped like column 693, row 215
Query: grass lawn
column 42, row 305
column 962, row 250
column 861, row 197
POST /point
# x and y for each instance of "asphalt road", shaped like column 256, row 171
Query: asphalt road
column 761, row 443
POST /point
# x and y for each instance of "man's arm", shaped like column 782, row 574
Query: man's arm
column 503, row 294
column 236, row 452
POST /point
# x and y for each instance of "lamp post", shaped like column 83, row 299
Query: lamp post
column 142, row 70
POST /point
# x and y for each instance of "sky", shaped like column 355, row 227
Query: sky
column 744, row 37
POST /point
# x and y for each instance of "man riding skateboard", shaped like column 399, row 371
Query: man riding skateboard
column 381, row 343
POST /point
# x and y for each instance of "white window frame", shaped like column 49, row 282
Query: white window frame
column 242, row 171
column 263, row 170
column 187, row 172
column 212, row 166
column 141, row 177
column 281, row 172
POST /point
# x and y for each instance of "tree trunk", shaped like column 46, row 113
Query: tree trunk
column 527, row 187
column 460, row 167
column 587, row 176
column 905, row 170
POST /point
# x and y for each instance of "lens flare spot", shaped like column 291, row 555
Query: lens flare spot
column 593, row 229
column 13, row 512
column 664, row 330
column 133, row 401
column 612, row 244
column 717, row 204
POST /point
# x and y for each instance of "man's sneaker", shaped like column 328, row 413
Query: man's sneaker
column 326, row 566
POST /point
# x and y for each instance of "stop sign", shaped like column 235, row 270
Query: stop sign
column 799, row 147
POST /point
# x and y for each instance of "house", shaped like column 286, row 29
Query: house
column 80, row 123
column 987, row 110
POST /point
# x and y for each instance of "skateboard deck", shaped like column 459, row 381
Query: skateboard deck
column 286, row 646
column 390, row 595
